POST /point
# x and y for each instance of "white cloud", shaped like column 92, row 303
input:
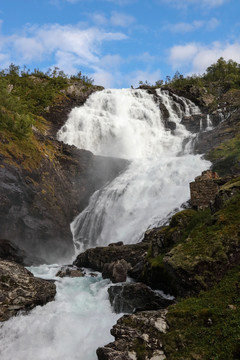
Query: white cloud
column 4, row 61
column 146, row 57
column 139, row 75
column 117, row 2
column 38, row 42
column 68, row 47
column 111, row 61
column 196, row 57
column 202, row 3
column 183, row 27
column 120, row 19
column 104, row 78
column 212, row 24
column 116, row 19
column 99, row 19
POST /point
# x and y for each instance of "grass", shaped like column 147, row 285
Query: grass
column 211, row 239
column 226, row 156
column 207, row 326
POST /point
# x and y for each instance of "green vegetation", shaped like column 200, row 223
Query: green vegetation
column 199, row 244
column 24, row 96
column 207, row 326
column 206, row 252
column 220, row 76
column 226, row 156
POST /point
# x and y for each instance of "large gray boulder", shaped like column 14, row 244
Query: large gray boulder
column 20, row 290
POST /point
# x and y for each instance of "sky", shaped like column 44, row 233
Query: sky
column 119, row 42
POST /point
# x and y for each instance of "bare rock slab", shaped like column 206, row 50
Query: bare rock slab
column 136, row 296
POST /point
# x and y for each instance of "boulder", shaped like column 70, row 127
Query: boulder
column 136, row 296
column 10, row 251
column 20, row 290
column 70, row 272
column 204, row 190
column 96, row 258
column 137, row 336
column 116, row 271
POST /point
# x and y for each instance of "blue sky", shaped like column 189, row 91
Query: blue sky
column 119, row 42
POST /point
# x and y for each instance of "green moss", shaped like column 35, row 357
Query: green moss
column 157, row 262
column 210, row 240
column 226, row 156
column 231, row 184
column 207, row 325
column 140, row 348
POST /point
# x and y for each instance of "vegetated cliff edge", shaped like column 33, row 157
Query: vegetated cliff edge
column 197, row 256
column 44, row 183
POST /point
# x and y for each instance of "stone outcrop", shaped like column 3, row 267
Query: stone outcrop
column 198, row 123
column 100, row 257
column 135, row 296
column 204, row 189
column 137, row 336
column 70, row 272
column 20, row 290
column 116, row 271
column 74, row 95
column 226, row 130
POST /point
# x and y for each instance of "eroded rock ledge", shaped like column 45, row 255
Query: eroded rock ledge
column 137, row 336
column 20, row 290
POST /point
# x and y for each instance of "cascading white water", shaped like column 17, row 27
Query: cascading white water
column 70, row 328
column 119, row 123
column 129, row 124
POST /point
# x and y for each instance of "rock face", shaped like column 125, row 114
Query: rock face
column 116, row 271
column 137, row 336
column 11, row 252
column 204, row 189
column 75, row 95
column 135, row 296
column 100, row 258
column 20, row 290
column 38, row 204
column 226, row 130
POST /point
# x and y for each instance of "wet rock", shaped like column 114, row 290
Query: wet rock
column 204, row 190
column 116, row 271
column 226, row 128
column 35, row 212
column 75, row 95
column 20, row 290
column 70, row 272
column 119, row 243
column 136, row 296
column 11, row 252
column 97, row 258
column 137, row 336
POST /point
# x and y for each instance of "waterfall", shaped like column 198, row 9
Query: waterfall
column 209, row 124
column 130, row 124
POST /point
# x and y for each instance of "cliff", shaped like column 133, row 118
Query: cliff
column 44, row 183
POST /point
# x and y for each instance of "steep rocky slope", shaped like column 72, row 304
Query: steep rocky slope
column 44, row 183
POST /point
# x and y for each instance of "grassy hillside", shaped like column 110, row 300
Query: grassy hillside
column 24, row 97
